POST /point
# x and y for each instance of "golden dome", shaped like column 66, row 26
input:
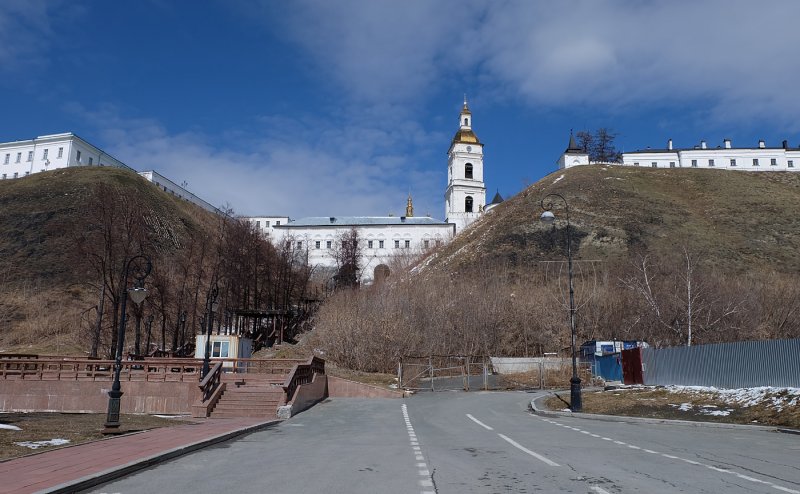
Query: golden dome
column 466, row 136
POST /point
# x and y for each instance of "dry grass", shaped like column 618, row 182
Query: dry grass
column 77, row 428
column 663, row 404
column 44, row 281
column 617, row 209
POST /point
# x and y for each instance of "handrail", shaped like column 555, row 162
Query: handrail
column 210, row 382
column 302, row 373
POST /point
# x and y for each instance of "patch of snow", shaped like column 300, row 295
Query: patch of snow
column 42, row 444
column 718, row 413
column 10, row 427
column 559, row 178
column 773, row 397
column 685, row 407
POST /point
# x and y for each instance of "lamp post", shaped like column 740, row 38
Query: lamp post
column 137, row 312
column 141, row 268
column 149, row 333
column 212, row 307
column 183, row 327
column 548, row 217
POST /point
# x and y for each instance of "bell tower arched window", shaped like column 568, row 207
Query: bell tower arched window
column 466, row 121
column 468, row 171
column 468, row 204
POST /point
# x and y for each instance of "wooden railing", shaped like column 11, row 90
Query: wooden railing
column 82, row 369
column 259, row 366
column 153, row 369
column 302, row 373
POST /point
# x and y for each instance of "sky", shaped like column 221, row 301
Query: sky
column 323, row 108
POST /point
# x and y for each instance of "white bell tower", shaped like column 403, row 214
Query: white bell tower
column 465, row 197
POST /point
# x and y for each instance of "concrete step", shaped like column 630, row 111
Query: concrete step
column 254, row 391
column 246, row 404
column 241, row 378
column 244, row 413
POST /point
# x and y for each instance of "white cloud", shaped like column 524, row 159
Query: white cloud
column 731, row 59
column 298, row 170
column 379, row 51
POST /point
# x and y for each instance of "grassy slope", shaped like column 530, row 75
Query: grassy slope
column 739, row 220
column 42, row 281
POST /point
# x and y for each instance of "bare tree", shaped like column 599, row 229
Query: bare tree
column 585, row 141
column 603, row 149
column 347, row 254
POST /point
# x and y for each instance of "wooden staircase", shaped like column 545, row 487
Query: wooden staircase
column 250, row 395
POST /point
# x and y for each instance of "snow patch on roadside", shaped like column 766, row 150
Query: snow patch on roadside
column 10, row 427
column 42, row 444
column 712, row 410
column 772, row 397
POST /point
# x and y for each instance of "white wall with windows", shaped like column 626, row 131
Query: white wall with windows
column 722, row 157
column 382, row 238
column 21, row 158
column 266, row 224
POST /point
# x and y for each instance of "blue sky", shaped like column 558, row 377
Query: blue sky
column 324, row 108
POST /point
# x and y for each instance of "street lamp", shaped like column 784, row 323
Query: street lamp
column 212, row 307
column 549, row 218
column 149, row 332
column 183, row 330
column 141, row 268
column 138, row 335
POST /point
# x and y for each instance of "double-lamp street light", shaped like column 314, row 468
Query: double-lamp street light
column 141, row 269
column 548, row 217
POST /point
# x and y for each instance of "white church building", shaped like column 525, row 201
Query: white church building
column 385, row 240
column 721, row 157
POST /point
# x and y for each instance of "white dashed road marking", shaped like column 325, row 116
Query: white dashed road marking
column 479, row 423
column 671, row 457
column 426, row 480
column 526, row 450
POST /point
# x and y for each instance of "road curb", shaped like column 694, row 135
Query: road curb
column 538, row 410
column 114, row 473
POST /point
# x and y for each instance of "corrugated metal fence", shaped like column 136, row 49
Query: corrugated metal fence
column 743, row 364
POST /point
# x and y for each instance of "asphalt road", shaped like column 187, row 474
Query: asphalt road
column 480, row 442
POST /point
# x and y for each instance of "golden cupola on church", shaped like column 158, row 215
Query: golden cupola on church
column 464, row 134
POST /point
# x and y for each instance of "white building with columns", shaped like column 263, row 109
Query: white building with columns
column 722, row 157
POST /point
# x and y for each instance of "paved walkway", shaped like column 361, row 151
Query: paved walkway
column 85, row 465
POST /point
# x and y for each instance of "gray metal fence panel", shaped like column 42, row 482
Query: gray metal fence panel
column 743, row 364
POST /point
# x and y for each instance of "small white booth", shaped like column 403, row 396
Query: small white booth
column 224, row 346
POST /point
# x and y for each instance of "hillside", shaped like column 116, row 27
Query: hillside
column 46, row 282
column 679, row 256
column 38, row 216
column 737, row 220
